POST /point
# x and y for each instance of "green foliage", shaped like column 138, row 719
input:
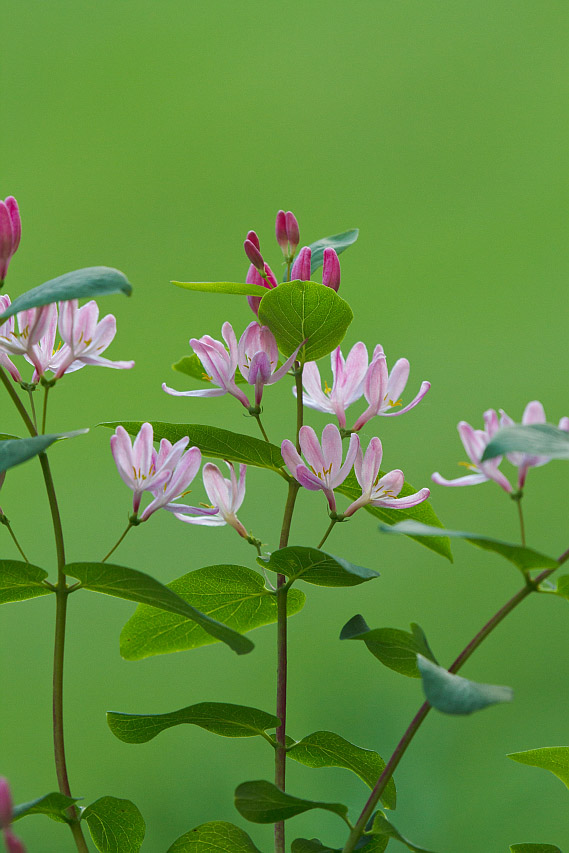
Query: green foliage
column 313, row 845
column 300, row 311
column 215, row 837
column 298, row 562
column 263, row 802
column 133, row 585
column 80, row 284
column 190, row 365
column 339, row 242
column 236, row 594
column 14, row 451
column 394, row 648
column 561, row 589
column 552, row 758
column 529, row 847
column 116, row 826
column 383, row 828
column 235, row 288
column 20, row 581
column 534, row 439
column 53, row 805
column 453, row 694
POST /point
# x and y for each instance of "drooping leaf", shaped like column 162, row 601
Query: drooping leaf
column 383, row 828
column 523, row 558
column 326, row 749
column 534, row 439
column 453, row 694
column 299, row 562
column 215, row 837
column 6, row 435
column 190, row 365
column 529, row 847
column 235, row 594
column 133, row 585
column 263, row 802
column 53, row 805
column 339, row 242
column 116, row 825
column 235, row 288
column 80, row 284
column 423, row 512
column 298, row 311
column 394, row 648
column 14, row 451
column 552, row 758
column 20, row 581
column 217, row 717
column 313, row 845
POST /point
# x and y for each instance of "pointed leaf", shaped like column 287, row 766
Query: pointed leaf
column 561, row 588
column 339, row 242
column 236, row 595
column 528, row 847
column 453, row 694
column 394, row 648
column 53, row 805
column 137, row 586
column 226, row 287
column 80, row 284
column 20, row 581
column 313, row 845
column 552, row 758
column 215, row 837
column 298, row 562
column 190, row 365
column 263, row 802
column 217, row 717
column 534, row 439
column 326, row 749
column 116, row 826
column 382, row 827
column 14, row 451
column 298, row 311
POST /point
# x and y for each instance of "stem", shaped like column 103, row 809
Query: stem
column 299, row 401
column 44, row 414
column 261, row 427
column 120, row 539
column 522, row 527
column 33, row 408
column 7, row 524
column 17, row 402
column 327, row 534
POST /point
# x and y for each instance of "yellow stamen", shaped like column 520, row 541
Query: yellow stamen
column 327, row 389
column 393, row 405
column 206, row 377
column 468, row 465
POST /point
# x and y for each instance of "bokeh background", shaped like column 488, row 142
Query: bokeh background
column 150, row 136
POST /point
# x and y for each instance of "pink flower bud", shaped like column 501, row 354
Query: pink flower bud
column 331, row 270
column 13, row 844
column 254, row 255
column 292, row 232
column 280, row 231
column 10, row 233
column 5, row 803
column 301, row 267
column 252, row 236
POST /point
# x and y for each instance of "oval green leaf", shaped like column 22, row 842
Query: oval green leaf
column 453, row 694
column 235, row 594
column 529, row 847
column 298, row 562
column 383, row 828
column 20, row 581
column 395, row 649
column 215, row 837
column 53, row 805
column 263, row 802
column 133, row 585
column 552, row 758
column 190, row 365
column 298, row 311
column 116, row 826
column 14, row 451
column 235, row 288
column 339, row 242
column 534, row 439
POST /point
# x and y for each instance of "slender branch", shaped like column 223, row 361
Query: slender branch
column 261, row 427
column 6, row 523
column 17, row 402
column 44, row 414
column 328, row 532
column 120, row 539
column 522, row 526
column 33, row 408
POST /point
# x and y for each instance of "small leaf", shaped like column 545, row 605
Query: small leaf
column 552, row 758
column 116, row 826
column 298, row 311
column 236, row 595
column 561, row 589
column 524, row 558
column 528, row 847
column 20, row 581
column 226, row 287
column 382, row 827
column 263, row 802
column 217, row 717
column 190, row 365
column 313, row 845
column 14, row 451
column 453, row 694
column 534, row 439
column 215, row 837
column 53, row 805
column 339, row 242
column 314, row 566
column 80, row 284
column 395, row 649
column 137, row 586
column 326, row 749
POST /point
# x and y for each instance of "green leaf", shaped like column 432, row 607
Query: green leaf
column 528, row 847
column 217, row 717
column 116, row 826
column 453, row 694
column 339, row 242
column 383, row 828
column 394, row 648
column 236, row 596
column 20, row 581
column 53, row 805
column 552, row 758
column 523, row 558
column 561, row 589
column 213, row 442
column 313, row 845
column 298, row 311
column 299, row 562
column 226, row 287
column 263, row 802
column 534, row 439
column 326, row 749
column 80, row 284
column 137, row 586
column 14, row 451
column 190, row 365
column 423, row 512
column 215, row 837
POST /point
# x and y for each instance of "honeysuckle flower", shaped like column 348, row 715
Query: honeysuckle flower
column 7, row 332
column 43, row 353
column 254, row 277
column 380, row 491
column 347, row 386
column 301, row 267
column 331, row 269
column 287, row 233
column 534, row 413
column 13, row 844
column 226, row 496
column 10, row 233
column 324, row 470
column 33, row 324
column 257, row 356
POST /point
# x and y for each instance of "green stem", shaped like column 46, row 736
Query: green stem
column 298, row 367
column 120, row 539
column 33, row 408
column 44, row 414
column 261, row 427
column 328, row 532
column 522, row 526
column 7, row 524
column 17, row 402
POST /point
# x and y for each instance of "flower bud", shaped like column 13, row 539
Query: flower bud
column 10, row 233
column 301, row 267
column 281, row 233
column 331, row 269
column 252, row 236
column 254, row 255
column 292, row 232
column 5, row 803
column 13, row 844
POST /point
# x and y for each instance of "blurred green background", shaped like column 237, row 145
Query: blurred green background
column 150, row 135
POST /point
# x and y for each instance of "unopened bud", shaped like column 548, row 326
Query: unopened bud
column 13, row 844
column 331, row 269
column 10, row 233
column 5, row 803
column 254, row 255
column 301, row 267
column 280, row 231
column 252, row 236
column 292, row 232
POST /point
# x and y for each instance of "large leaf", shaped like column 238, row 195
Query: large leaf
column 227, row 287
column 552, row 758
column 80, row 284
column 299, row 562
column 524, row 558
column 116, row 826
column 190, row 365
column 534, row 439
column 263, row 802
column 217, row 717
column 339, row 242
column 235, row 595
column 383, row 828
column 215, row 837
column 19, row 581
column 394, row 648
column 14, row 451
column 453, row 694
column 298, row 311
column 53, row 805
column 136, row 586
column 423, row 512
column 326, row 749
column 529, row 847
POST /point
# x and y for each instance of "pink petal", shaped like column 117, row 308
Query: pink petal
column 469, row 480
column 209, row 392
column 534, row 413
column 398, row 379
column 311, row 449
column 350, row 459
column 403, row 503
column 290, row 455
column 395, row 411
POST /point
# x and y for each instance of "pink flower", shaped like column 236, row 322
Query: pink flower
column 225, row 494
column 84, row 338
column 7, row 333
column 301, row 267
column 347, row 385
column 380, row 491
column 13, row 844
column 324, row 470
column 331, row 269
column 287, row 233
column 33, row 324
column 10, row 233
column 533, row 414
column 257, row 356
